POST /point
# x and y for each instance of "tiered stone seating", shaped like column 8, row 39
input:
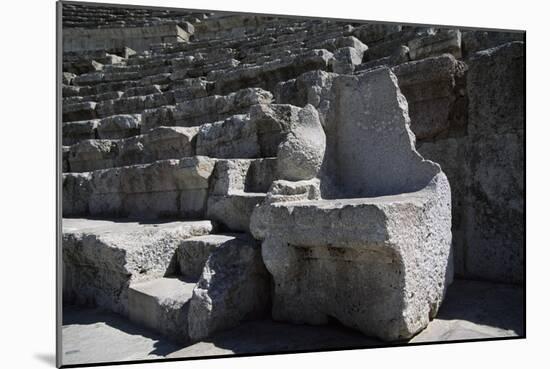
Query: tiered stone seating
column 186, row 138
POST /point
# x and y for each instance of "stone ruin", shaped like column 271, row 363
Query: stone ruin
column 225, row 167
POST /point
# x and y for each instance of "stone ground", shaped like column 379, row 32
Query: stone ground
column 472, row 310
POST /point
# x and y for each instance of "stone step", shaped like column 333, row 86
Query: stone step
column 163, row 305
column 102, row 258
column 193, row 252
column 163, row 189
column 206, row 109
column 113, row 127
column 158, row 144
column 269, row 74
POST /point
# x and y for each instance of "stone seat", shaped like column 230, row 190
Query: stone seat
column 368, row 241
column 101, row 257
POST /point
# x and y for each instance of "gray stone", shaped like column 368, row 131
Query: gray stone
column 435, row 92
column 89, row 155
column 377, row 259
column 76, row 190
column 101, row 258
column 345, row 60
column 473, row 41
column 80, row 111
column 444, row 41
column 73, row 132
column 234, row 286
column 165, row 188
column 161, row 304
column 301, row 153
column 119, row 126
column 235, row 137
column 207, row 109
column 193, row 252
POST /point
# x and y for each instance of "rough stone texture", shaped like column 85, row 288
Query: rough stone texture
column 390, row 238
column 203, row 110
column 238, row 185
column 161, row 304
column 234, row 286
column 435, row 89
column 301, row 153
column 165, row 188
column 193, row 253
column 444, row 41
column 146, row 113
column 495, row 235
column 101, row 258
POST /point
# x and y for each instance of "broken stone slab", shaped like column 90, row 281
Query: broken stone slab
column 234, row 286
column 435, row 92
column 375, row 251
column 444, row 41
column 233, row 210
column 207, row 109
column 345, row 60
column 269, row 74
column 301, row 153
column 161, row 304
column 102, row 258
column 370, row 33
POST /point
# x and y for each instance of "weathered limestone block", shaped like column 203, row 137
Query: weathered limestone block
column 134, row 105
column 444, row 41
column 234, row 286
column 267, row 75
column 496, row 104
column 238, row 185
column 119, row 126
column 76, row 190
column 207, row 109
column 235, row 137
column 68, row 78
column 90, row 155
column 65, row 159
column 158, row 144
column 495, row 205
column 375, row 251
column 398, row 56
column 309, row 88
column 163, row 305
column 435, row 92
column 79, row 111
column 101, row 258
column 398, row 39
column 345, row 60
column 193, row 252
column 301, row 153
column 74, row 132
column 166, row 188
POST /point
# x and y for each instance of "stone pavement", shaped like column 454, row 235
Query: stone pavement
column 471, row 310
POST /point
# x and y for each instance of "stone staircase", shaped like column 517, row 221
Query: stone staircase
column 167, row 151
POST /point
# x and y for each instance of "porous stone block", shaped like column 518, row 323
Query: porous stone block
column 235, row 137
column 76, row 190
column 74, row 132
column 90, row 155
column 193, row 252
column 162, row 304
column 101, row 257
column 234, row 286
